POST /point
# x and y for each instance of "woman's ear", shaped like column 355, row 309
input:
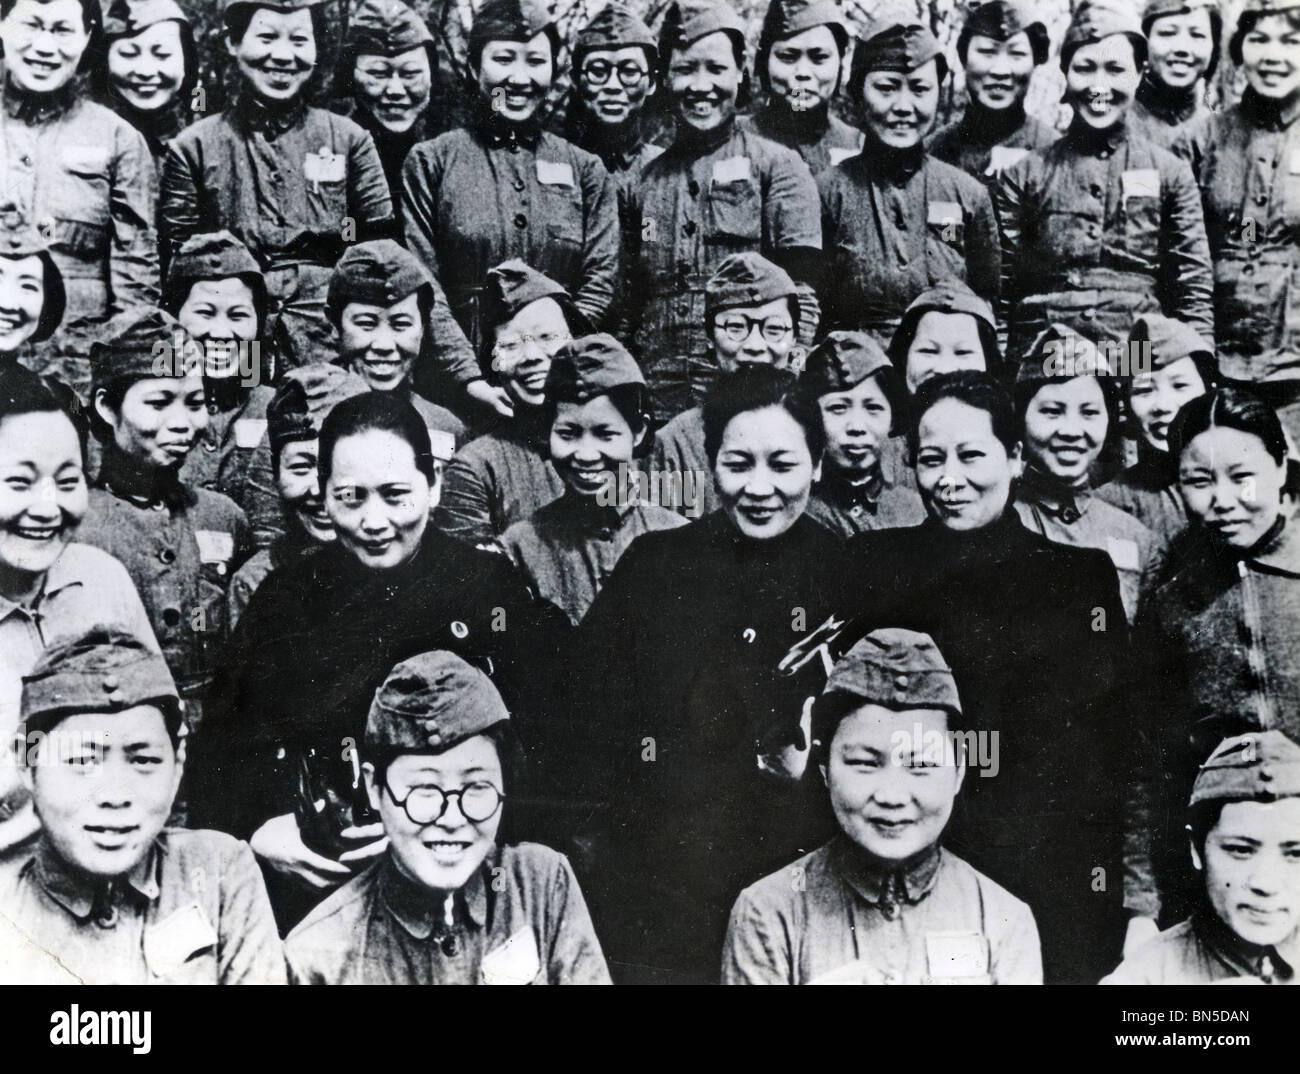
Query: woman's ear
column 372, row 787
column 105, row 412
column 1017, row 458
column 435, row 486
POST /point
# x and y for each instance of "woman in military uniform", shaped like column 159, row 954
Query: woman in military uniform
column 1183, row 51
column 945, row 329
column 896, row 221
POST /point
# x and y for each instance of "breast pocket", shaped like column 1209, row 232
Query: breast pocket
column 735, row 212
column 326, row 176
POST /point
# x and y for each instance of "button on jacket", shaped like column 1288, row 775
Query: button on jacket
column 1247, row 164
column 194, row 911
column 700, row 201
column 1096, row 230
column 895, row 224
column 1201, row 950
column 887, row 502
column 223, row 450
column 821, row 919
column 520, row 919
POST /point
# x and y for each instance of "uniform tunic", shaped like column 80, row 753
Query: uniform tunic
column 821, row 139
column 568, row 548
column 1247, row 163
column 886, row 501
column 938, row 922
column 194, row 911
column 1148, row 490
column 895, row 224
column 520, row 919
column 1096, row 230
column 983, row 143
column 219, row 461
column 679, row 449
column 703, row 199
column 1202, row 950
column 1160, row 115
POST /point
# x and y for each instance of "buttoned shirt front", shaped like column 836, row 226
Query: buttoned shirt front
column 887, row 501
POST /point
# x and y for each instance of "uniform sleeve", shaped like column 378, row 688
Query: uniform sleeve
column 466, row 508
column 792, row 233
column 1186, row 275
column 574, row 955
column 261, row 500
column 1016, row 957
column 237, row 597
column 369, row 199
column 127, row 609
column 133, row 259
column 251, row 952
column 1009, row 197
column 984, row 251
column 755, row 952
column 600, row 246
column 179, row 200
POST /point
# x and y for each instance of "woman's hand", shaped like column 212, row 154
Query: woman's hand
column 279, row 843
column 492, row 396
column 370, row 843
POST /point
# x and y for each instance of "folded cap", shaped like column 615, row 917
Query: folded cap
column 1261, row 766
column 841, row 360
column 126, row 18
column 1097, row 19
column 1158, row 9
column 746, row 279
column 896, row 48
column 104, row 669
column 951, row 296
column 385, row 28
column 378, row 273
column 212, row 256
column 304, row 397
column 689, row 20
column 900, row 669
column 510, row 287
column 1170, row 340
column 785, row 18
column 1267, row 7
column 589, row 366
column 18, row 243
column 229, row 6
column 147, row 342
column 509, row 20
column 1002, row 20
column 615, row 26
column 1059, row 352
column 430, row 703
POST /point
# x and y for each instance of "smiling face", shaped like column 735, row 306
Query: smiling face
column 147, row 69
column 1231, row 485
column 892, row 795
column 588, row 441
column 22, row 298
column 998, row 72
column 277, row 54
column 754, row 335
column 943, row 343
column 515, row 76
column 444, row 854
column 43, row 495
column 857, row 424
column 377, row 499
column 1101, row 80
column 1180, row 47
column 1270, row 56
column 804, row 70
column 380, row 344
column 764, row 472
column 394, row 89
column 900, row 107
column 1065, row 428
column 43, row 43
column 963, row 470
column 704, row 81
column 220, row 314
column 159, row 419
column 298, row 484
column 1156, row 397
column 523, row 349
column 1252, row 869
column 103, row 785
column 614, row 83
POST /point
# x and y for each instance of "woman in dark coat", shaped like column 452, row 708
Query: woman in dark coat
column 1036, row 637
column 1183, row 44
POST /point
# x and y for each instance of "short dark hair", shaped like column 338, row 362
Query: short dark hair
column 757, row 387
column 632, row 401
column 1024, row 391
column 891, row 387
column 237, row 20
column 1232, row 407
column 383, row 411
column 744, row 95
column 24, row 392
column 832, row 709
column 1216, row 33
column 974, row 388
column 1249, row 20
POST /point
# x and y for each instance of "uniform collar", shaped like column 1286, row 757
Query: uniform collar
column 255, row 115
column 78, row 894
column 1170, row 105
column 589, row 515
column 1248, row 959
column 989, row 127
column 896, row 165
column 144, row 486
column 883, row 884
column 618, row 147
column 690, row 142
column 36, row 108
column 783, row 123
column 502, row 134
column 1046, row 494
column 1092, row 142
column 422, row 911
column 61, row 575
column 1270, row 114
column 866, row 493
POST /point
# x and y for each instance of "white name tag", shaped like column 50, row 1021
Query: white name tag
column 1003, row 157
column 324, row 167
column 839, row 154
column 730, row 170
column 249, row 432
column 944, row 212
column 1123, row 553
column 215, row 546
column 956, row 954
column 1141, row 183
column 554, row 173
column 171, row 943
column 1295, row 162
column 515, row 962
column 442, row 443
column 85, row 158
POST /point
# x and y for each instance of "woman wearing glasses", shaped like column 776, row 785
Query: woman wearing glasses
column 446, row 903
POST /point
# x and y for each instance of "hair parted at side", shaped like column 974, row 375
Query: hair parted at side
column 24, row 392
column 974, row 388
column 1230, row 407
column 375, row 411
column 758, row 387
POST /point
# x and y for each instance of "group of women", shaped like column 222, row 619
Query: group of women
column 302, row 393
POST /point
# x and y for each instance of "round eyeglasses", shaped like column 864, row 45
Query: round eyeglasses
column 738, row 327
column 426, row 805
column 595, row 73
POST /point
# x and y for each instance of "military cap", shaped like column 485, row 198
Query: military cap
column 1097, row 19
column 1251, row 12
column 126, row 18
column 303, row 399
column 230, row 6
column 147, row 342
column 896, row 48
column 212, row 256
column 19, row 243
column 589, row 366
column 1158, row 9
column 1001, row 20
column 615, row 26
column 386, row 28
column 900, row 669
column 689, row 20
column 104, row 669
column 511, row 286
column 1267, row 7
column 510, row 20
column 1171, row 341
column 746, row 279
column 1261, row 766
column 785, row 18
column 1059, row 352
column 430, row 703
column 841, row 360
column 951, row 296
column 378, row 273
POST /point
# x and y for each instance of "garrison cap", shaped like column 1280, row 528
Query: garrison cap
column 950, row 296
column 1058, row 352
column 213, row 256
column 589, row 366
column 148, row 342
column 303, row 399
column 896, row 48
column 1001, row 20
column 430, row 703
column 378, row 273
column 105, row 669
column 510, row 20
column 615, row 26
column 229, row 7
column 785, row 18
column 511, row 286
column 1171, row 340
column 1097, row 19
column 1267, row 7
column 1261, row 766
column 386, row 28
column 689, row 20
column 746, row 279
column 18, row 243
column 900, row 669
column 1251, row 12
column 842, row 360
column 126, row 18
column 1158, row 9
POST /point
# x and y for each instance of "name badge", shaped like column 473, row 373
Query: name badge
column 554, row 173
column 171, row 943
column 442, row 443
column 249, row 432
column 85, row 158
column 1123, row 553
column 956, row 954
column 215, row 546
column 1141, row 183
column 730, row 170
column 324, row 167
column 1003, row 157
column 515, row 962
column 944, row 212
column 1295, row 162
column 839, row 154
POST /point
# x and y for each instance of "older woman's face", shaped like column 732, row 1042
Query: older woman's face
column 43, row 495
column 43, row 43
column 377, row 499
column 764, row 472
column 1101, row 80
column 1231, row 485
column 277, row 54
column 394, row 89
column 148, row 68
column 900, row 106
column 1270, row 55
column 998, row 72
column 704, row 80
column 963, row 470
column 1180, row 47
column 22, row 298
column 1065, row 428
column 804, row 70
column 515, row 76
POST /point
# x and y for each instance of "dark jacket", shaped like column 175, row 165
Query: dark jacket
column 983, row 143
column 821, row 139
